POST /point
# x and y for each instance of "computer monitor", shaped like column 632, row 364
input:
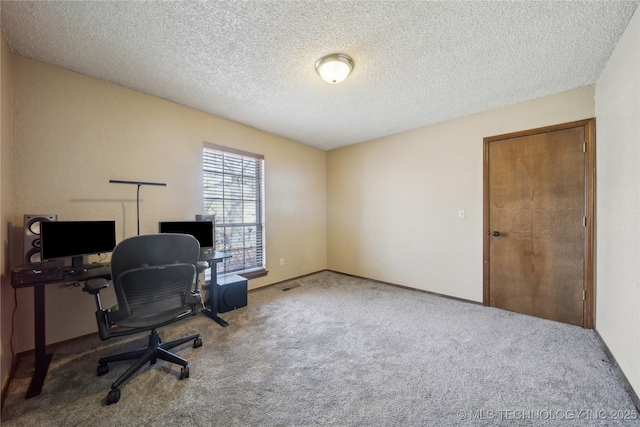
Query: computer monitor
column 203, row 231
column 75, row 239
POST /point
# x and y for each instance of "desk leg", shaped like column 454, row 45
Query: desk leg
column 215, row 318
column 42, row 358
column 212, row 312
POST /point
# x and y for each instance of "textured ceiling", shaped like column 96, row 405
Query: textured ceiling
column 416, row 63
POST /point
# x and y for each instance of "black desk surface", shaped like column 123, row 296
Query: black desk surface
column 216, row 256
column 91, row 273
column 103, row 272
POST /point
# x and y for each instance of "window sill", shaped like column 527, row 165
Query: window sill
column 253, row 274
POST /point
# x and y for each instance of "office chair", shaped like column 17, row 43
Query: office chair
column 153, row 277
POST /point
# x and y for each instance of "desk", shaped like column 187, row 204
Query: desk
column 42, row 358
column 212, row 311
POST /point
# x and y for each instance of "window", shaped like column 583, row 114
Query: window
column 233, row 191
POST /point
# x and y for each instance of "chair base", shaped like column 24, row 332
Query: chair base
column 155, row 350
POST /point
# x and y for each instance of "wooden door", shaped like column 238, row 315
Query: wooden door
column 538, row 248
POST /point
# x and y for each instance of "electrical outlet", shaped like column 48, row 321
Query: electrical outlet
column 281, row 261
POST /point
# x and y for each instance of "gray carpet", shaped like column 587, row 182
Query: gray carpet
column 334, row 350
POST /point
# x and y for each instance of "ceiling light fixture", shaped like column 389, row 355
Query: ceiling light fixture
column 334, row 68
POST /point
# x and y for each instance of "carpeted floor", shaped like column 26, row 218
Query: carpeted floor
column 334, row 350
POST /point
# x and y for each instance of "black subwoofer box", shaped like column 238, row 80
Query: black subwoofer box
column 232, row 292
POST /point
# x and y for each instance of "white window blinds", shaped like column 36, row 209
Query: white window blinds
column 233, row 191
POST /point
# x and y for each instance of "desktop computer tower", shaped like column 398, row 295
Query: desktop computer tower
column 232, row 292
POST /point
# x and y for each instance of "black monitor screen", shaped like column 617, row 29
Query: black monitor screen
column 73, row 239
column 201, row 230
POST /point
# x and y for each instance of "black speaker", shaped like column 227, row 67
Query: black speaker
column 31, row 248
column 232, row 292
column 211, row 218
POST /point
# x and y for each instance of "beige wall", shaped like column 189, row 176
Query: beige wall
column 6, row 191
column 618, row 203
column 398, row 197
column 73, row 133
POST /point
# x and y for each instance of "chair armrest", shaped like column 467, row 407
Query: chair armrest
column 94, row 286
column 193, row 298
column 201, row 266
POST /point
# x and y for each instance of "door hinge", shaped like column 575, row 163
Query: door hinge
column 584, row 147
column 584, row 221
column 584, row 294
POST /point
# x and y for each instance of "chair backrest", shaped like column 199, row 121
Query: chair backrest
column 153, row 249
column 153, row 272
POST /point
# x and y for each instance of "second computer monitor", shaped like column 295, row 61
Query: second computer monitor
column 203, row 231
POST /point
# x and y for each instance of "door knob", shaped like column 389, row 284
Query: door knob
column 495, row 233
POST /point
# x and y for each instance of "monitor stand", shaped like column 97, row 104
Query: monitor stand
column 77, row 265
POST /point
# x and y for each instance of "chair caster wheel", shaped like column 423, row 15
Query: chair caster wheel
column 113, row 396
column 184, row 372
column 197, row 343
column 103, row 369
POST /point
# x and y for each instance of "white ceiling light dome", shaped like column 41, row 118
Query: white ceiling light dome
column 334, row 68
